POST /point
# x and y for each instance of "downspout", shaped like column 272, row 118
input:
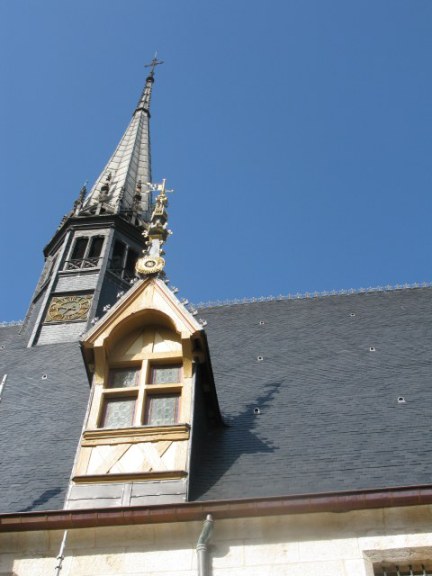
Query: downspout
column 201, row 547
column 60, row 556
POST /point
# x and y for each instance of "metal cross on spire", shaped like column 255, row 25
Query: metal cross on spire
column 155, row 62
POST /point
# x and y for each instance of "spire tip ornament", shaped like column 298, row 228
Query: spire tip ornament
column 155, row 62
column 144, row 102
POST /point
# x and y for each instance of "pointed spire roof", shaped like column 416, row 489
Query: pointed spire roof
column 122, row 187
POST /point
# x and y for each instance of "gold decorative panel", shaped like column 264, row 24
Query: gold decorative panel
column 68, row 308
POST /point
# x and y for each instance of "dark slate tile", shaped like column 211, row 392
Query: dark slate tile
column 40, row 421
column 329, row 417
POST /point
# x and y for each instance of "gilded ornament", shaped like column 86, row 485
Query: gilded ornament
column 150, row 265
column 68, row 308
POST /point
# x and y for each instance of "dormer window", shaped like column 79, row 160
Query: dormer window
column 85, row 253
column 133, row 398
column 143, row 356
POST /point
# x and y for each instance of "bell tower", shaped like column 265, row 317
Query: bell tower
column 90, row 260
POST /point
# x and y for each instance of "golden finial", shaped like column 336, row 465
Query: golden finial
column 156, row 234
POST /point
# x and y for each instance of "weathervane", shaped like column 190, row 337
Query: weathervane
column 161, row 201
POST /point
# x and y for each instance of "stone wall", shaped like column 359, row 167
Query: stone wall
column 344, row 544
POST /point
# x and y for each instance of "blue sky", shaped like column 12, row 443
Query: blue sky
column 297, row 135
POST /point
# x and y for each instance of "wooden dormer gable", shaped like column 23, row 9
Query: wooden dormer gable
column 143, row 358
column 149, row 302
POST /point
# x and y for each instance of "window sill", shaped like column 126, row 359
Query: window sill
column 131, row 477
column 83, row 271
column 134, row 435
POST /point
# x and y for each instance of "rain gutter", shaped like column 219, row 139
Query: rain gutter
column 219, row 509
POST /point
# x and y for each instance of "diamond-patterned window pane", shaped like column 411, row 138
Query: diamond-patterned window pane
column 166, row 374
column 123, row 378
column 162, row 409
column 119, row 412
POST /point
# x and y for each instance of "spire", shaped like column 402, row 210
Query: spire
column 156, row 234
column 122, row 187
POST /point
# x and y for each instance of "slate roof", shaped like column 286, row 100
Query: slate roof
column 329, row 414
column 40, row 421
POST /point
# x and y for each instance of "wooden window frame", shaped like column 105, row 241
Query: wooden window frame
column 117, row 398
column 118, row 393
column 124, row 369
column 143, row 391
column 153, row 389
column 153, row 366
column 158, row 394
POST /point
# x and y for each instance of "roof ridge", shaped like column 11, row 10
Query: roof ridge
column 4, row 324
column 315, row 294
column 289, row 296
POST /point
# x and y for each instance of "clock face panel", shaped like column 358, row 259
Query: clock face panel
column 68, row 308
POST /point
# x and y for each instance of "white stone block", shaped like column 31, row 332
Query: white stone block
column 227, row 555
column 358, row 568
column 158, row 561
column 38, row 566
column 256, row 554
column 407, row 518
column 6, row 562
column 247, row 571
column 128, row 537
column 184, row 533
column 97, row 564
column 340, row 549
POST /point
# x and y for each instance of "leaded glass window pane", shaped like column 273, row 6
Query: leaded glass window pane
column 123, row 378
column 166, row 374
column 162, row 409
column 119, row 412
